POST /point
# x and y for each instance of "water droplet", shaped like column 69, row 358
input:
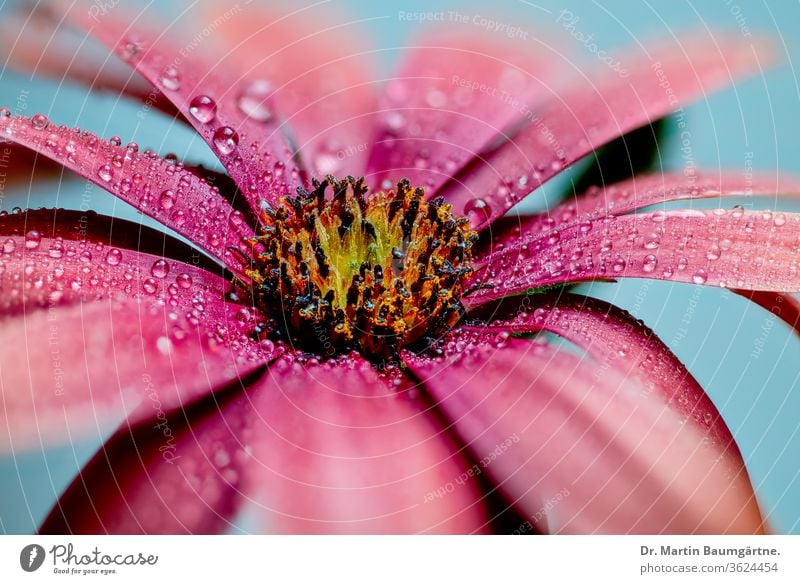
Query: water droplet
column 619, row 264
column 226, row 139
column 5, row 112
column 478, row 211
column 436, row 98
column 150, row 286
column 649, row 263
column 113, row 257
column 780, row 219
column 169, row 79
column 105, row 172
column 160, row 268
column 252, row 100
column 714, row 252
column 164, row 345
column 203, row 109
column 39, row 121
column 9, row 245
column 167, row 199
column 178, row 217
column 184, row 280
column 32, row 239
column 700, row 277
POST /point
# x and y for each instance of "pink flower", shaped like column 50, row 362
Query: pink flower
column 327, row 358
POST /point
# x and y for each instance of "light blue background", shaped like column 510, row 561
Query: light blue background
column 759, row 395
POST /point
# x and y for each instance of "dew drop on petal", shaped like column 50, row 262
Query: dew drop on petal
column 477, row 211
column 160, row 268
column 178, row 217
column 184, row 280
column 164, row 345
column 649, row 264
column 150, row 286
column 9, row 245
column 169, row 79
column 105, row 172
column 226, row 139
column 167, row 199
column 700, row 277
column 252, row 101
column 203, row 109
column 32, row 239
column 714, row 252
column 113, row 257
column 39, row 121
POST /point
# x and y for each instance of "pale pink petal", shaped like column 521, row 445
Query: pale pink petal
column 252, row 148
column 319, row 69
column 643, row 191
column 582, row 447
column 34, row 43
column 178, row 473
column 736, row 249
column 784, row 306
column 304, row 455
column 72, row 371
column 616, row 340
column 591, row 113
column 334, row 450
column 162, row 189
column 454, row 93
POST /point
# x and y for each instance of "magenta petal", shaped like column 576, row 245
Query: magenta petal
column 737, row 249
column 784, row 306
column 336, row 451
column 74, row 370
column 452, row 95
column 320, row 69
column 252, row 148
column 591, row 113
column 170, row 474
column 643, row 191
column 50, row 257
column 163, row 190
column 615, row 339
column 587, row 452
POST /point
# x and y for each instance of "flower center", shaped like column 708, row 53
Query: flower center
column 355, row 271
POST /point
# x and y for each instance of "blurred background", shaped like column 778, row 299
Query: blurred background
column 745, row 358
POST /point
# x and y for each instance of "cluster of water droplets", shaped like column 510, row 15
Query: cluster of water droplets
column 726, row 247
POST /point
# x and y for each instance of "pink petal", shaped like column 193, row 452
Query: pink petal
column 643, row 191
column 336, row 451
column 35, row 44
column 584, row 448
column 253, row 150
column 615, row 339
column 164, row 190
column 784, row 306
column 320, row 69
column 453, row 94
column 50, row 257
column 737, row 249
column 589, row 114
column 170, row 474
